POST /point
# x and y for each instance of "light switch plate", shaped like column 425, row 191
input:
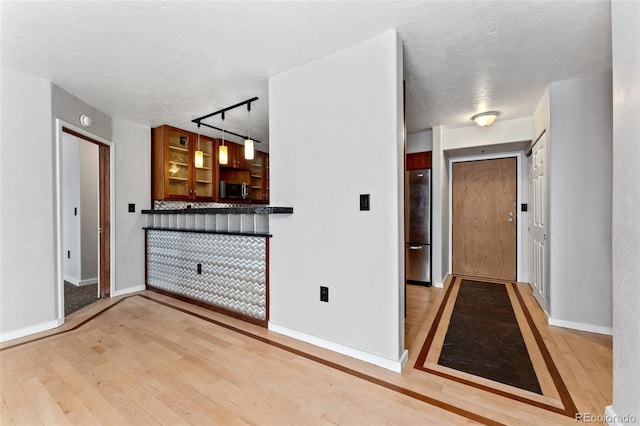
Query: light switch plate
column 364, row 202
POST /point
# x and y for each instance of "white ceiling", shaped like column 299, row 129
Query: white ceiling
column 169, row 62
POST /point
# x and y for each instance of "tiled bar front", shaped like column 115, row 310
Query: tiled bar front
column 233, row 269
column 212, row 254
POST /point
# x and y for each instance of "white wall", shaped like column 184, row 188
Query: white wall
column 419, row 141
column 89, row 211
column 500, row 132
column 71, row 200
column 439, row 220
column 28, row 275
column 542, row 116
column 133, row 185
column 27, row 284
column 355, row 147
column 579, row 184
column 626, row 205
column 67, row 107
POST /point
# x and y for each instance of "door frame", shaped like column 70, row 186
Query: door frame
column 520, row 215
column 59, row 249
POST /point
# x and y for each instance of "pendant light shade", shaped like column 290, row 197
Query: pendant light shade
column 248, row 142
column 223, row 151
column 199, row 160
column 199, row 155
column 248, row 149
column 223, row 154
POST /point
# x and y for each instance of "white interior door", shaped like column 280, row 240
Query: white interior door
column 538, row 222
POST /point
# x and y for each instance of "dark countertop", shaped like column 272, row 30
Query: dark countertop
column 226, row 210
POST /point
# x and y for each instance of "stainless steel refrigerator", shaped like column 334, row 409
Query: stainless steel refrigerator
column 418, row 227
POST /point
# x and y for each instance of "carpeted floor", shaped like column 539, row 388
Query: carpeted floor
column 76, row 298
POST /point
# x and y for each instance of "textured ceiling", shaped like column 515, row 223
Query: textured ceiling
column 169, row 62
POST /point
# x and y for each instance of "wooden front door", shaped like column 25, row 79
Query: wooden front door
column 485, row 218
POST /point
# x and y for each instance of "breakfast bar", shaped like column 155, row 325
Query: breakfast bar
column 214, row 256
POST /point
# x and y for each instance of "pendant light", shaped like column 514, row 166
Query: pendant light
column 248, row 143
column 223, row 152
column 199, row 158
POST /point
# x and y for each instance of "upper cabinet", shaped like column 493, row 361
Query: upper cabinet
column 204, row 178
column 180, row 172
column 175, row 175
column 418, row 161
column 260, row 178
column 236, row 157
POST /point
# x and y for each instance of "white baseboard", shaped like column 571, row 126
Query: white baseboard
column 614, row 419
column 71, row 280
column 80, row 283
column 610, row 416
column 580, row 326
column 403, row 360
column 90, row 281
column 438, row 284
column 128, row 290
column 15, row 334
column 345, row 350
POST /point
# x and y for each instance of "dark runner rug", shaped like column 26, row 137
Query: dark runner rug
column 484, row 338
column 76, row 298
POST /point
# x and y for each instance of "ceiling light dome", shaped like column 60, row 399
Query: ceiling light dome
column 486, row 118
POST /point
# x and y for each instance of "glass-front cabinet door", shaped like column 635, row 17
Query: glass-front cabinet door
column 178, row 164
column 257, row 175
column 204, row 167
column 184, row 165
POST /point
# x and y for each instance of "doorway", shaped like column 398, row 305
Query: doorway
column 80, row 214
column 86, row 261
column 484, row 218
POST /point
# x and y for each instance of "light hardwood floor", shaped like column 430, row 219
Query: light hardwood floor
column 144, row 362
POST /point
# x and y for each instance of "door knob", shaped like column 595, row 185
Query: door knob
column 510, row 214
column 510, row 220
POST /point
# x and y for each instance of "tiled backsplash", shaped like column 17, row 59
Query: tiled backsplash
column 240, row 223
column 177, row 205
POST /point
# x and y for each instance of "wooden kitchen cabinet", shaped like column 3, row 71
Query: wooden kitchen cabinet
column 174, row 174
column 237, row 170
column 236, row 157
column 418, row 161
column 260, row 178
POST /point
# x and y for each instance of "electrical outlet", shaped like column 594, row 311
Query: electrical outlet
column 199, row 268
column 68, row 254
column 132, row 208
column 324, row 294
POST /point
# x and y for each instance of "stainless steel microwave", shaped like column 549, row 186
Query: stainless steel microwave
column 237, row 190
